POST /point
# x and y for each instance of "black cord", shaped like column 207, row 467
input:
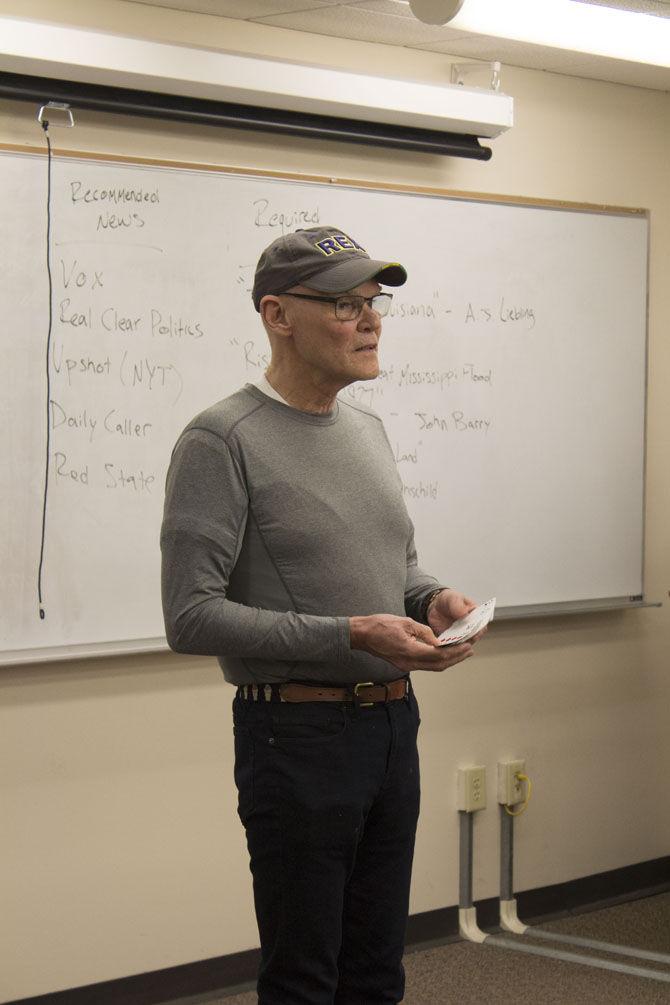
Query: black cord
column 45, row 127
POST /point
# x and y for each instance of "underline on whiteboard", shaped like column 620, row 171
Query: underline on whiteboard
column 118, row 244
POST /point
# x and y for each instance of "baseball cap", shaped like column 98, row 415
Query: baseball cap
column 324, row 258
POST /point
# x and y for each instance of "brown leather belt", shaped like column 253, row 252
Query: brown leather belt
column 362, row 694
column 358, row 694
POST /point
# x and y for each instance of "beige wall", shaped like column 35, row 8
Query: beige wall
column 121, row 851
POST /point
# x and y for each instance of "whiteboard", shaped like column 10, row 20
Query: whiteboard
column 512, row 384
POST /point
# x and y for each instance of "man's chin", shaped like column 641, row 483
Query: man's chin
column 369, row 371
column 361, row 374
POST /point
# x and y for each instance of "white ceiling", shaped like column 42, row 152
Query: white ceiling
column 392, row 22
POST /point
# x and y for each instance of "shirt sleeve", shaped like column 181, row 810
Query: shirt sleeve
column 205, row 513
column 418, row 583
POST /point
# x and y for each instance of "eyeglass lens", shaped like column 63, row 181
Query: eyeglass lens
column 348, row 308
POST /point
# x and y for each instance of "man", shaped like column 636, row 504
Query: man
column 288, row 553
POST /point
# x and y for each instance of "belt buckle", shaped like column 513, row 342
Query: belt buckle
column 363, row 704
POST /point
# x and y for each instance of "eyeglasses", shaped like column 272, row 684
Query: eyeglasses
column 349, row 306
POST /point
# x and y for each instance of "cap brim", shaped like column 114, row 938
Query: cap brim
column 347, row 275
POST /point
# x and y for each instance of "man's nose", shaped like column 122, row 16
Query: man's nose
column 368, row 318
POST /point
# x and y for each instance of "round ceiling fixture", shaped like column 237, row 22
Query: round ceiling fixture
column 435, row 11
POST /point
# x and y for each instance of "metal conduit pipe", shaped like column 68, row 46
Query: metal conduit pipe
column 469, row 929
column 510, row 922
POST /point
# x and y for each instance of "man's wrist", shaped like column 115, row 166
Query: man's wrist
column 428, row 601
column 356, row 631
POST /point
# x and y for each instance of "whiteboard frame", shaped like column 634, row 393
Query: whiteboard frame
column 501, row 198
column 83, row 651
column 134, row 647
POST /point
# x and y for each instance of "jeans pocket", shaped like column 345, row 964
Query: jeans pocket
column 299, row 724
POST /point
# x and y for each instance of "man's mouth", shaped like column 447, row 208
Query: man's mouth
column 372, row 347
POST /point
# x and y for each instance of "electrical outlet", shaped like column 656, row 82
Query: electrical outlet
column 472, row 789
column 510, row 789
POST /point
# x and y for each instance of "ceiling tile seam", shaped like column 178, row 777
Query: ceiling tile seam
column 265, row 20
column 402, row 18
column 227, row 17
column 143, row 4
column 303, row 10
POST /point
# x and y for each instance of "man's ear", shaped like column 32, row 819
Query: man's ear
column 273, row 315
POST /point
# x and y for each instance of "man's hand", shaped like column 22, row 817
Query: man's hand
column 448, row 606
column 404, row 643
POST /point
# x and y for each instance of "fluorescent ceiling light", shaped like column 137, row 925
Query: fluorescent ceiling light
column 566, row 24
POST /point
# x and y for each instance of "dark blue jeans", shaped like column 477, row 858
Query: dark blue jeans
column 329, row 798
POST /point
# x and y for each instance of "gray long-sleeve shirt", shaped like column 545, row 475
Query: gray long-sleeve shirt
column 280, row 525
